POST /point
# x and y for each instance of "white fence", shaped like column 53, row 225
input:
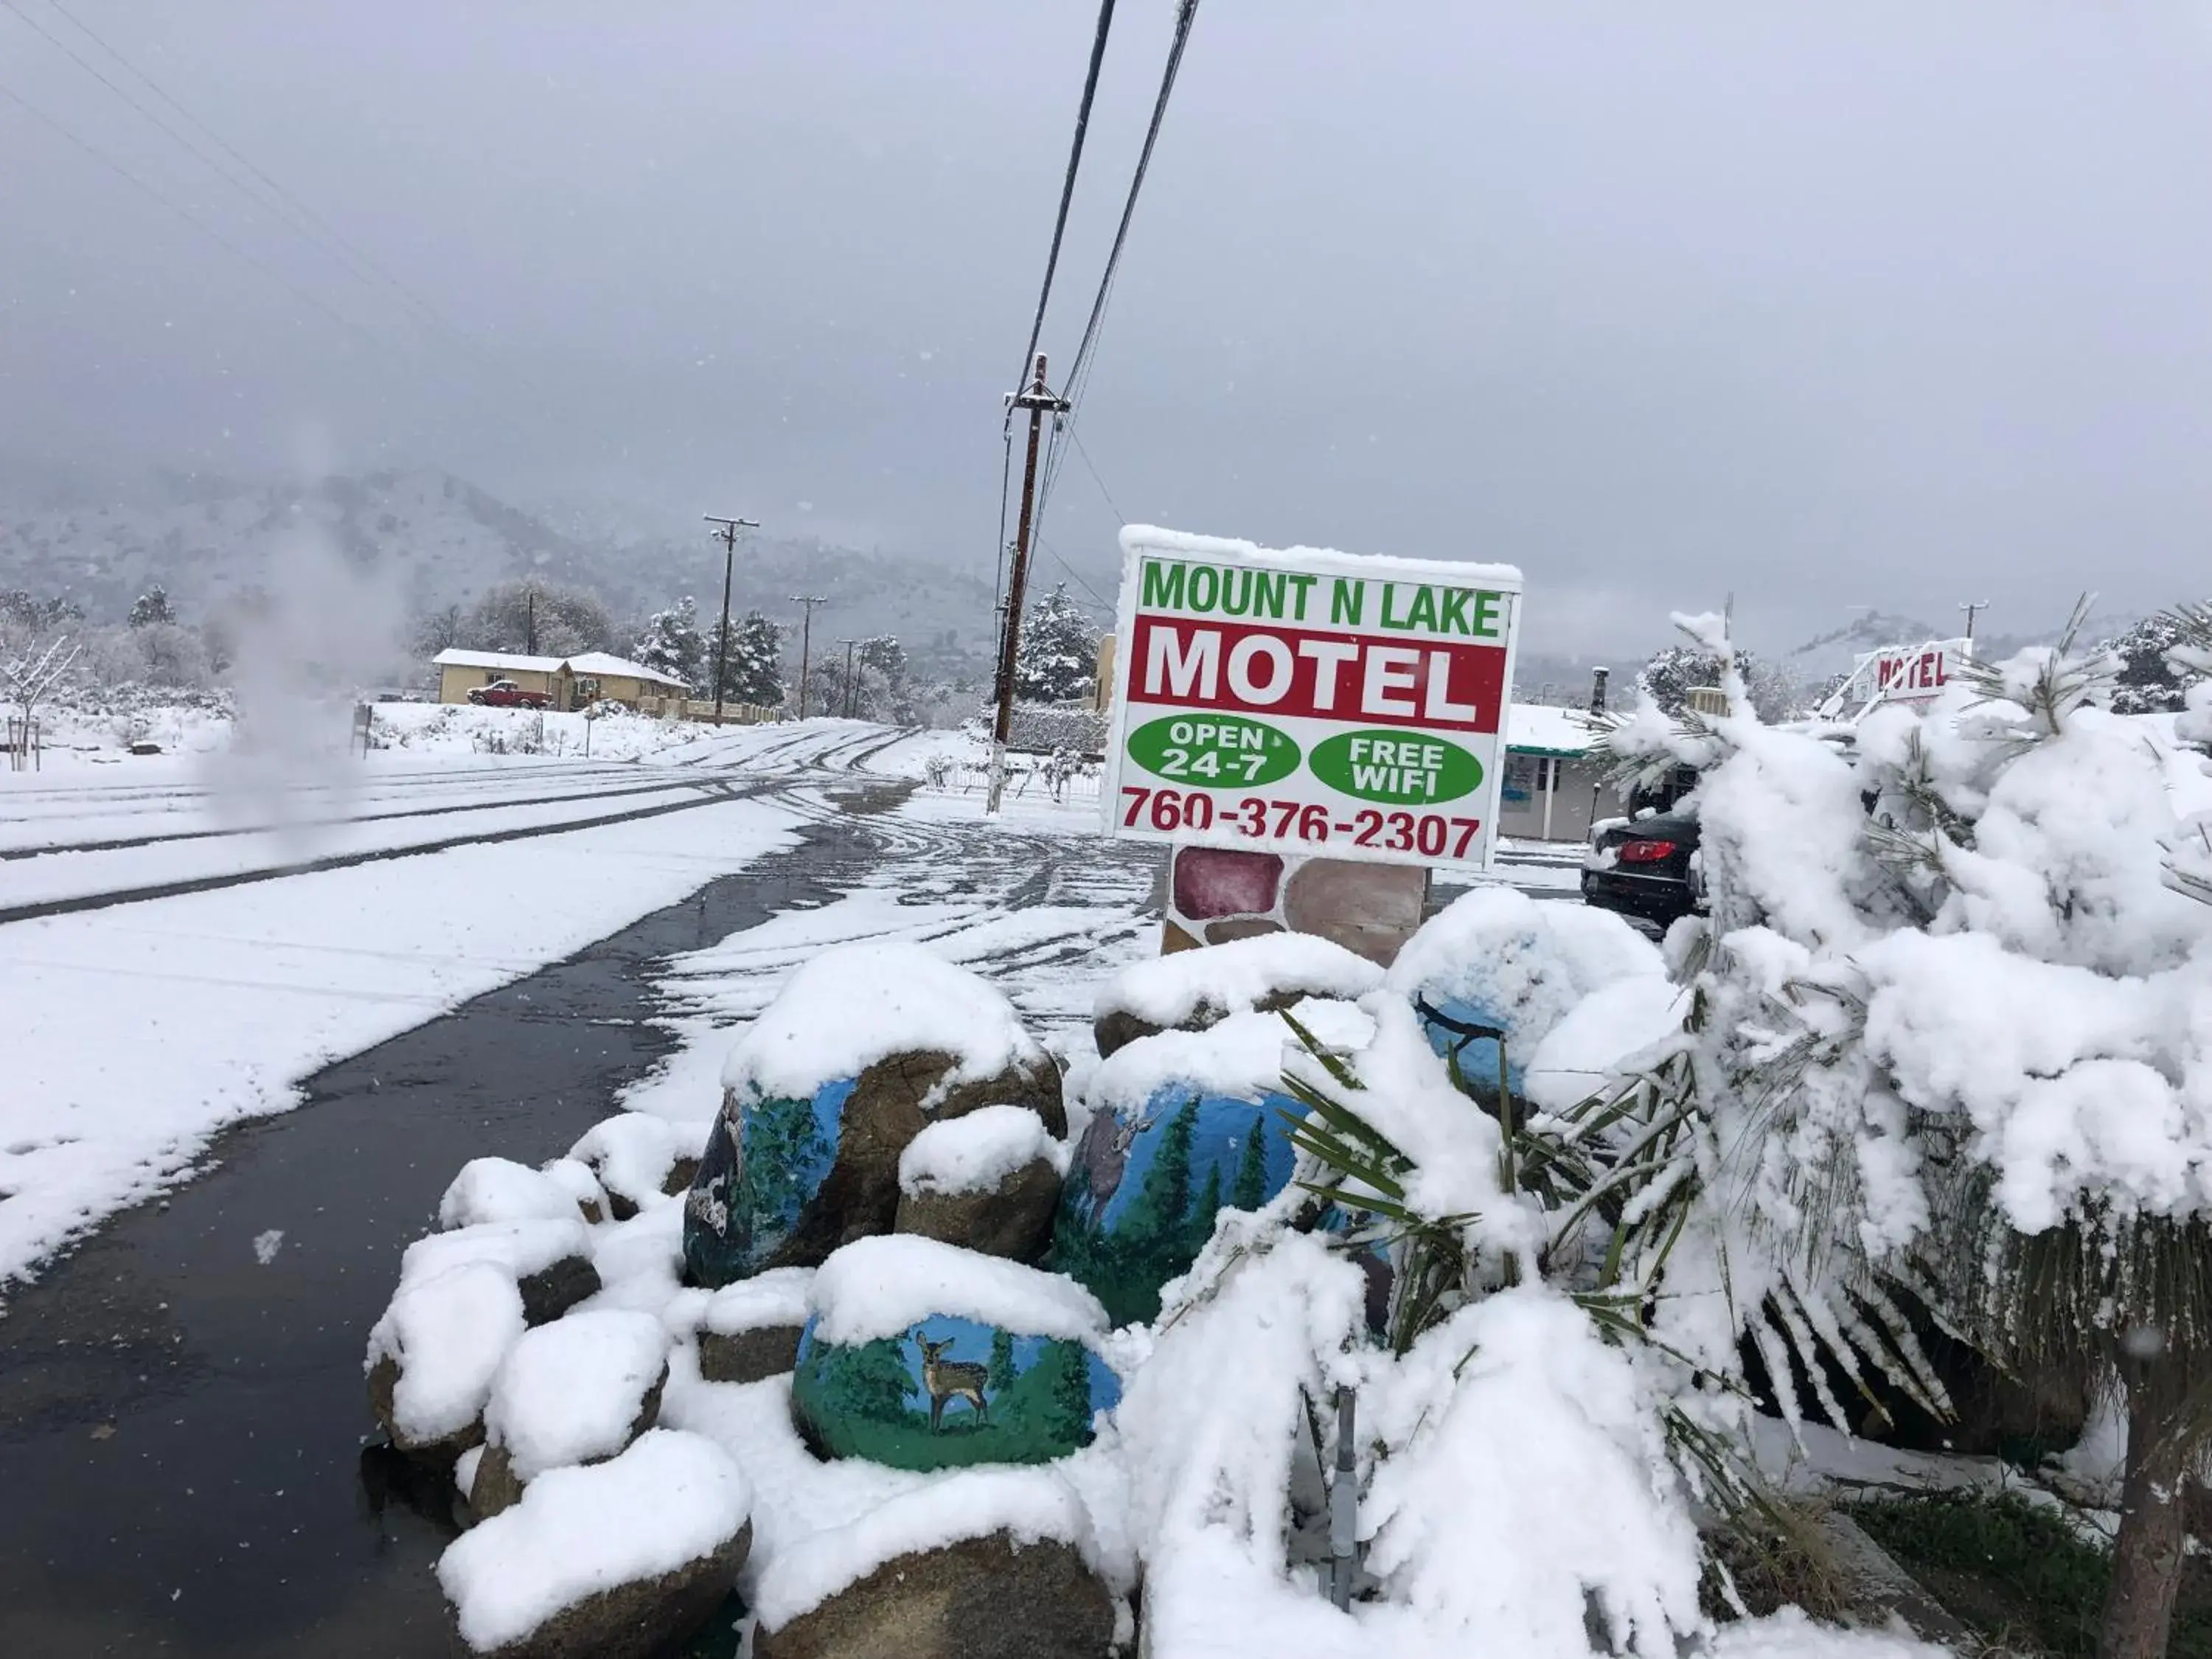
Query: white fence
column 1042, row 777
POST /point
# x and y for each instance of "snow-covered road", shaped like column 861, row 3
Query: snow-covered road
column 140, row 1028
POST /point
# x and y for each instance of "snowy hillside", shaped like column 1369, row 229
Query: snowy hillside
column 441, row 541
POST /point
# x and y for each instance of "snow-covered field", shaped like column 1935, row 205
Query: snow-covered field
column 142, row 1025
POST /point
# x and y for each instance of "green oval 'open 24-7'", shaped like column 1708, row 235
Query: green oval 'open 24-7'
column 1397, row 768
column 1213, row 751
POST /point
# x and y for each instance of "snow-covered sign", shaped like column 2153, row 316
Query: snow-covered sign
column 1914, row 673
column 1897, row 673
column 1308, row 702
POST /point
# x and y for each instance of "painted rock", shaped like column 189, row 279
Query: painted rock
column 863, row 1048
column 1191, row 990
column 1011, row 1375
column 1497, row 963
column 1186, row 1124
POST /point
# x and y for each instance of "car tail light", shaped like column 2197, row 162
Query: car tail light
column 1646, row 852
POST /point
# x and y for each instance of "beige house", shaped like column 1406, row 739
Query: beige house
column 574, row 682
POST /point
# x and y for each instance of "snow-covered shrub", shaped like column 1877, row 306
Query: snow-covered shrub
column 1952, row 1032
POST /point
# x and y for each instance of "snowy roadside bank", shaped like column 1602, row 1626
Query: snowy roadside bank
column 140, row 1032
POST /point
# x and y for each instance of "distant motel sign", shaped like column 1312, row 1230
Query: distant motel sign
column 1914, row 673
column 1309, row 702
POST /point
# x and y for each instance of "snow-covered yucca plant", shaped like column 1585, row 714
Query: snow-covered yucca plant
column 1957, row 1035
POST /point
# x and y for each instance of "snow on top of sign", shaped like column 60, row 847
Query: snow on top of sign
column 845, row 1009
column 670, row 1500
column 879, row 1287
column 1150, row 538
column 1165, row 991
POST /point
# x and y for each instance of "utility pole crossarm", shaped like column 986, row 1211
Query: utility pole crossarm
column 728, row 535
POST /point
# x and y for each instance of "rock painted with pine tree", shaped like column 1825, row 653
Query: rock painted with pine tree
column 863, row 1048
column 1011, row 1374
column 1185, row 1125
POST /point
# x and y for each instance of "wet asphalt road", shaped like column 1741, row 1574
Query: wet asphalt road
column 185, row 1465
column 181, row 1470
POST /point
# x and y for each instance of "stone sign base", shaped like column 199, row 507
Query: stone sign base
column 1216, row 894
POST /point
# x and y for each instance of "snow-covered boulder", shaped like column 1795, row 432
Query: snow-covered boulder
column 986, row 1564
column 576, row 1179
column 1184, row 1125
column 549, row 1261
column 751, row 1329
column 433, row 1355
column 638, row 1158
column 1190, row 990
column 922, row 1356
column 606, row 1561
column 988, row 1181
column 576, row 1391
column 495, row 1189
column 1497, row 960
column 862, row 1049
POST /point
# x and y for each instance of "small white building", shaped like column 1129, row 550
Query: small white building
column 1555, row 788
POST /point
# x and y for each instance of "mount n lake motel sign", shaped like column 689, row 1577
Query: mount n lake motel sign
column 1309, row 702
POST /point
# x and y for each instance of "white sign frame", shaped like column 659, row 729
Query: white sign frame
column 1347, row 832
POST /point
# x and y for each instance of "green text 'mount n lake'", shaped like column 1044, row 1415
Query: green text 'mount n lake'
column 1295, row 596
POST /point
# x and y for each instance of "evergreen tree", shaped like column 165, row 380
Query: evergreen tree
column 671, row 642
column 1163, row 1205
column 1058, row 661
column 152, row 607
column 869, row 1381
column 1067, row 1415
column 1249, row 1191
column 2147, row 683
column 1673, row 673
column 1001, row 1375
column 1209, row 1206
column 752, row 668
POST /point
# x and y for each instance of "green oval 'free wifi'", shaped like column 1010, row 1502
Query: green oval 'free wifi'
column 1398, row 768
column 1213, row 750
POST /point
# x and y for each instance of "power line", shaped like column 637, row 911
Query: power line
column 318, row 230
column 1186, row 14
column 1079, row 376
column 1067, row 186
column 193, row 220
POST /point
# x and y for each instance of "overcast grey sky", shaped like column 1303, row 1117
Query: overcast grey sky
column 1894, row 302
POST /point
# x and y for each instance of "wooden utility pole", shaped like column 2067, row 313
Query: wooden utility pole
column 845, row 702
column 1971, row 608
column 806, row 641
column 1037, row 399
column 728, row 532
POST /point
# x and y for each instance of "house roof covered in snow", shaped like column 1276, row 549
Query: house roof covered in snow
column 594, row 664
column 1539, row 729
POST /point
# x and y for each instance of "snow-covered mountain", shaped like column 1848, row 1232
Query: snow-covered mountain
column 441, row 541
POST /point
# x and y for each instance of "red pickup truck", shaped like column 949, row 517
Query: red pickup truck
column 506, row 694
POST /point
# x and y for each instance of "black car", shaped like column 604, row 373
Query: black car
column 1646, row 867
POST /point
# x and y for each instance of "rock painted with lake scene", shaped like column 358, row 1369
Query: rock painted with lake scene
column 1185, row 1124
column 921, row 1355
column 862, row 1049
column 1497, row 960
